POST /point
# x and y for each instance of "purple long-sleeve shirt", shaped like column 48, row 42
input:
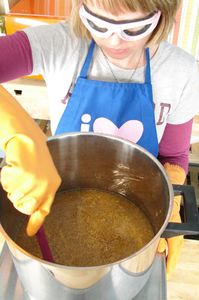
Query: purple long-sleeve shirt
column 15, row 56
column 16, row 61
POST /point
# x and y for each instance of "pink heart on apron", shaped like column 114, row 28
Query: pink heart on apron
column 131, row 130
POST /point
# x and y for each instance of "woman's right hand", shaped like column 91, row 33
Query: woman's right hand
column 29, row 176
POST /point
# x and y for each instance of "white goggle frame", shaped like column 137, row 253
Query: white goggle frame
column 118, row 27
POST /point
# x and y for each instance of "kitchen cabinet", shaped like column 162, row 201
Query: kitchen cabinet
column 27, row 13
column 5, row 5
column 32, row 95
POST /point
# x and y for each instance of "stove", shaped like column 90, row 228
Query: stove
column 11, row 287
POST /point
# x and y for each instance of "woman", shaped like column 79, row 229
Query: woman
column 110, row 70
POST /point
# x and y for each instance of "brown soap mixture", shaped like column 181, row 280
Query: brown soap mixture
column 89, row 227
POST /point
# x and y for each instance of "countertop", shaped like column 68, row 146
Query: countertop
column 184, row 284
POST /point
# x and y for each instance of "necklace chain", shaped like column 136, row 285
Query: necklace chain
column 111, row 70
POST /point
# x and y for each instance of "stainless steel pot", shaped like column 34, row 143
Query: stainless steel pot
column 88, row 160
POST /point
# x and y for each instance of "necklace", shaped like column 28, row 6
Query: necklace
column 111, row 70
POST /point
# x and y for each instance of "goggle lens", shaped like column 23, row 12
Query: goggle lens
column 133, row 32
column 95, row 27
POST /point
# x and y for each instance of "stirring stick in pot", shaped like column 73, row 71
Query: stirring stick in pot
column 44, row 245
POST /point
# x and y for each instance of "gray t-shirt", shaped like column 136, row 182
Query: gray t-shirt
column 59, row 55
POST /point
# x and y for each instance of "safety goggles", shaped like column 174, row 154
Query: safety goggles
column 127, row 30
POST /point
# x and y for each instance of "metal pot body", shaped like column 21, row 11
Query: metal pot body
column 88, row 160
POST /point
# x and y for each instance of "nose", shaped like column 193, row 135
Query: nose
column 114, row 40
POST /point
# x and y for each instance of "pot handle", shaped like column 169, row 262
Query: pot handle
column 190, row 225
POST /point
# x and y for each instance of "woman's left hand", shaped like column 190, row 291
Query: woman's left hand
column 173, row 246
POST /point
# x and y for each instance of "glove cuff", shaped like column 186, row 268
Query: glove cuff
column 175, row 173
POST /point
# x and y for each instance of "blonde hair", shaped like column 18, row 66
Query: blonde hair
column 168, row 10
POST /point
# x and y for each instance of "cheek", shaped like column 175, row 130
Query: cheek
column 139, row 43
column 99, row 41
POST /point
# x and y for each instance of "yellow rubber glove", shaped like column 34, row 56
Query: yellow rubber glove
column 29, row 176
column 174, row 245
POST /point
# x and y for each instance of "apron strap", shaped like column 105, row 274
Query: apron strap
column 84, row 70
column 148, row 67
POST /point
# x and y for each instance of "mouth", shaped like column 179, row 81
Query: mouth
column 115, row 52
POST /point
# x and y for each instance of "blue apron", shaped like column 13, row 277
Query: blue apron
column 121, row 109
